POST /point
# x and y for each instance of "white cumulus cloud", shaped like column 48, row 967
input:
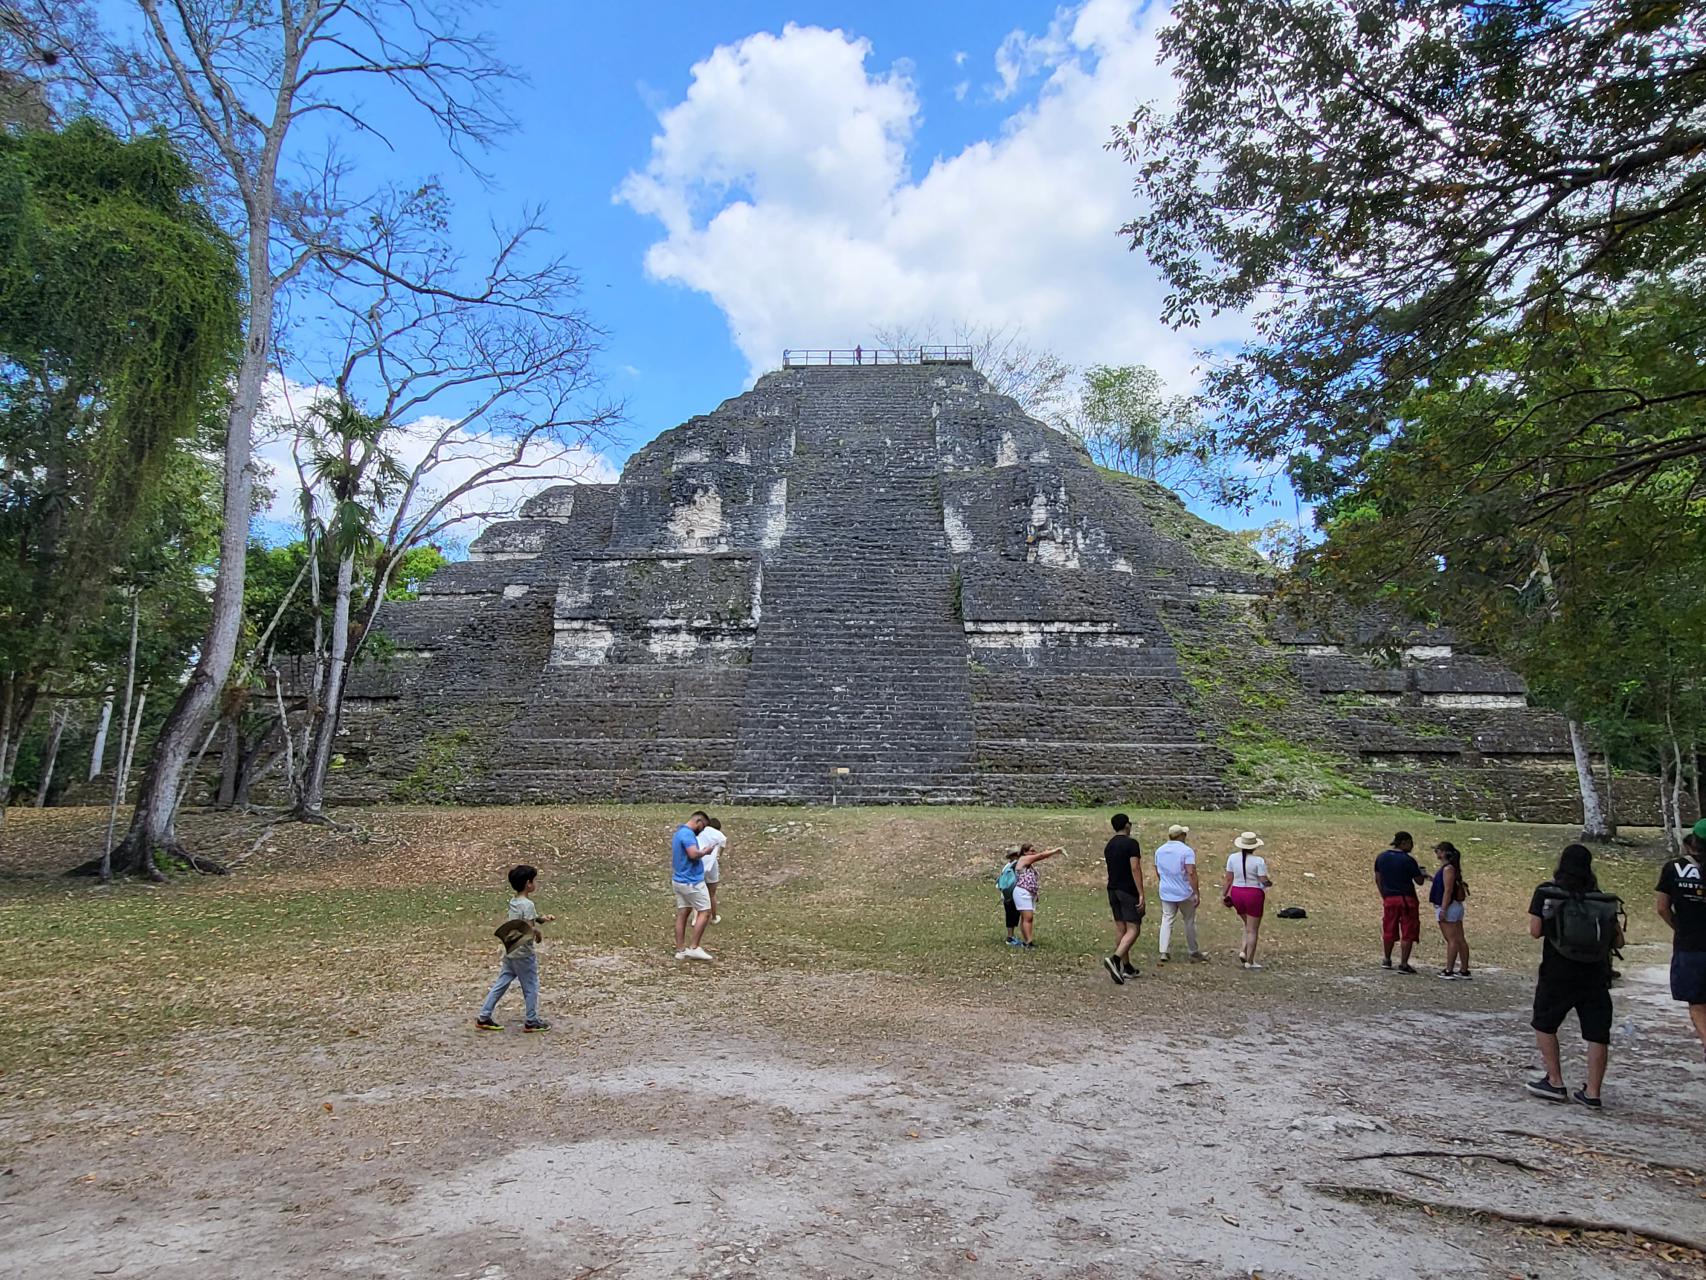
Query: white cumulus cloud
column 784, row 187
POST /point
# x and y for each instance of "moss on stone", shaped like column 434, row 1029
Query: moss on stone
column 1168, row 515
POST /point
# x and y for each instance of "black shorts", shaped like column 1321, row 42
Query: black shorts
column 1553, row 1001
column 1011, row 910
column 1125, row 906
column 1688, row 976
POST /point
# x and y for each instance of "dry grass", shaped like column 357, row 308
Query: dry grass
column 334, row 934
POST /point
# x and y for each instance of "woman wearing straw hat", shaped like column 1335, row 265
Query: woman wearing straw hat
column 1245, row 891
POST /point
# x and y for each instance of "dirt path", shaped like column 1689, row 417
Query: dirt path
column 891, row 1129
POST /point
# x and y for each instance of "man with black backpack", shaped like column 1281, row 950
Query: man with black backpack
column 1580, row 928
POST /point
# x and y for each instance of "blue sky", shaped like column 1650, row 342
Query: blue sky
column 734, row 178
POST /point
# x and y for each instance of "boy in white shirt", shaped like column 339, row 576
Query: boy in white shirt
column 711, row 844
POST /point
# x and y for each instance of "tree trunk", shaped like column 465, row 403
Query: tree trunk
column 153, row 821
column 230, row 762
column 106, row 864
column 97, row 756
column 1676, row 791
column 51, row 757
column 1610, row 794
column 17, row 701
column 313, row 800
column 1594, row 823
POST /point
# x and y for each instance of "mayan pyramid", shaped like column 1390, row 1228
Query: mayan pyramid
column 886, row 584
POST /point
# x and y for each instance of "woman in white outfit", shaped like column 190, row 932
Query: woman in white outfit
column 1246, row 891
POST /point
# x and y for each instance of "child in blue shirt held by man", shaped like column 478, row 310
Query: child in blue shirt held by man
column 519, row 963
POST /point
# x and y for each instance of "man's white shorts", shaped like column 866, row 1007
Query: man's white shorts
column 713, row 873
column 694, row 897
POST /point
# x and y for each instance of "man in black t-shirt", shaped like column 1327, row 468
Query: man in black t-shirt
column 1681, row 903
column 1125, row 897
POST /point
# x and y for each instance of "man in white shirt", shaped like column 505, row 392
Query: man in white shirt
column 711, row 843
column 1176, row 867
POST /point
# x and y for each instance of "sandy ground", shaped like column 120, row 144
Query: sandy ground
column 911, row 1131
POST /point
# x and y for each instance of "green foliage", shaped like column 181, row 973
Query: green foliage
column 414, row 567
column 442, row 768
column 119, row 320
column 1383, row 183
column 1270, row 769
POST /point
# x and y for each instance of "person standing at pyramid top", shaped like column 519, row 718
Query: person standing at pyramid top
column 858, row 355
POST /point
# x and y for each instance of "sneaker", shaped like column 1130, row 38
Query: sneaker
column 1014, row 942
column 1386, row 963
column 1128, row 968
column 1404, row 968
column 1544, row 1088
column 681, row 955
column 1446, row 975
column 536, row 1024
column 1029, row 946
column 716, row 919
column 1251, row 964
column 1465, row 976
column 696, row 953
column 486, row 1024
column 1163, row 957
column 1581, row 1096
column 1199, row 957
column 1112, row 965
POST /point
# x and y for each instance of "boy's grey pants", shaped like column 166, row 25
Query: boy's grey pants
column 523, row 969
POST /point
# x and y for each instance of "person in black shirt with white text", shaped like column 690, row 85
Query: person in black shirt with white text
column 1125, row 897
column 1681, row 903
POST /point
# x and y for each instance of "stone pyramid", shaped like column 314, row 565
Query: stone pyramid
column 886, row 584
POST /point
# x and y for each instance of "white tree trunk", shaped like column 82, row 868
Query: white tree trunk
column 123, row 746
column 51, row 757
column 1594, row 825
column 97, row 756
column 151, row 822
column 331, row 694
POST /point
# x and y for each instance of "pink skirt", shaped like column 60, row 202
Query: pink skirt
column 1248, row 901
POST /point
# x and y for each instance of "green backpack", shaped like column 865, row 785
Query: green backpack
column 1581, row 926
column 1008, row 880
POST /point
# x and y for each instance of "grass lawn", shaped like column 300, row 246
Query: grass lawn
column 316, row 928
column 275, row 1072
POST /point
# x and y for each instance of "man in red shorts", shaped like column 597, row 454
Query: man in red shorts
column 1396, row 875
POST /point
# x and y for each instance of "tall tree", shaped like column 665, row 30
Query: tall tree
column 118, row 324
column 1129, row 424
column 1380, row 181
column 233, row 81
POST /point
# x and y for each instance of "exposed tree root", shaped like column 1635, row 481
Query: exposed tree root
column 1522, row 1218
column 1452, row 1155
column 132, row 859
column 1581, row 1148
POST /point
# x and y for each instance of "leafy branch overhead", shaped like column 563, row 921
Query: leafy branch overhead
column 1382, row 182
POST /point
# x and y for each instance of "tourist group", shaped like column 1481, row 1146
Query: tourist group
column 1579, row 926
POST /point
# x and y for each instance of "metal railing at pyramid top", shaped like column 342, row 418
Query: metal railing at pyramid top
column 807, row 357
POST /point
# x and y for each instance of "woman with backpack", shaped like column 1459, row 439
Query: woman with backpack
column 1006, row 881
column 1245, row 890
column 1028, row 887
column 1579, row 927
column 1447, row 893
